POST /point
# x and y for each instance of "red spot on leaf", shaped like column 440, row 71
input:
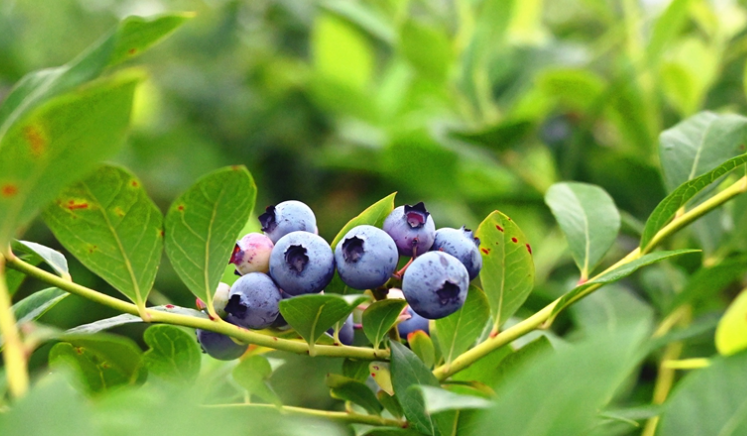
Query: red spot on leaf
column 132, row 51
column 529, row 248
column 236, row 167
column 169, row 306
column 72, row 205
column 373, row 374
column 35, row 139
column 376, row 368
column 92, row 248
column 134, row 184
column 514, row 240
column 9, row 190
column 500, row 229
column 274, row 338
column 160, row 232
column 79, row 350
column 485, row 250
column 180, row 208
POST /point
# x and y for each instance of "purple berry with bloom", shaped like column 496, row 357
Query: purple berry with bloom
column 435, row 284
column 286, row 217
column 463, row 245
column 366, row 257
column 302, row 263
column 412, row 229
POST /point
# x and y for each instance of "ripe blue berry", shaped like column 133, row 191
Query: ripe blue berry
column 286, row 217
column 219, row 346
column 253, row 301
column 302, row 263
column 463, row 245
column 252, row 253
column 412, row 229
column 366, row 257
column 413, row 324
column 435, row 285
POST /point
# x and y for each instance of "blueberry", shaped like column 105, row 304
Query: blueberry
column 302, row 263
column 435, row 284
column 219, row 346
column 347, row 333
column 413, row 324
column 412, row 229
column 286, row 217
column 366, row 257
column 463, row 245
column 253, row 301
column 252, row 253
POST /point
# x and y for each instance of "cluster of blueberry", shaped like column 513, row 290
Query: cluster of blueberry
column 290, row 259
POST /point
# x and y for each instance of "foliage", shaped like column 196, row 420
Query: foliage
column 596, row 148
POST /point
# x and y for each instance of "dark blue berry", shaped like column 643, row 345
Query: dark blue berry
column 253, row 301
column 435, row 285
column 366, row 257
column 461, row 244
column 302, row 263
column 286, row 217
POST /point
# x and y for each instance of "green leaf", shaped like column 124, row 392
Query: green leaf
column 364, row 16
column 706, row 282
column 524, row 356
column 709, row 401
column 562, row 392
column 507, row 273
column 428, row 49
column 355, row 369
column 137, row 34
column 111, row 225
column 374, row 215
column 382, row 375
column 667, row 27
column 731, row 333
column 347, row 389
column 58, row 143
column 589, row 219
column 667, row 208
column 34, row 254
column 103, row 361
column 390, row 403
column 131, row 37
column 311, row 315
column 422, row 345
column 698, row 145
column 174, row 356
column 617, row 307
column 36, row 304
column 379, row 317
column 616, row 274
column 253, row 374
column 202, row 227
column 341, row 52
column 440, row 400
column 126, row 318
column 40, row 253
column 408, row 371
column 485, row 370
column 458, row 332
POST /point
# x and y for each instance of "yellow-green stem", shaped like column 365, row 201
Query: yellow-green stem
column 216, row 325
column 346, row 417
column 13, row 352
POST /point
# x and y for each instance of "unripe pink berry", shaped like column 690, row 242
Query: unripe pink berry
column 252, row 254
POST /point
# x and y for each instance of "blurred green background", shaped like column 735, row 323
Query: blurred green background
column 467, row 105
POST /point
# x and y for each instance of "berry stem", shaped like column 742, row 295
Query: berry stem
column 14, row 355
column 346, row 417
column 217, row 325
column 398, row 275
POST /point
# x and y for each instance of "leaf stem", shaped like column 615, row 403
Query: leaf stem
column 538, row 319
column 694, row 363
column 13, row 352
column 346, row 417
column 217, row 325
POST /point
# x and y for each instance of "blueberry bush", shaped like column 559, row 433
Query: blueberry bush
column 564, row 253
